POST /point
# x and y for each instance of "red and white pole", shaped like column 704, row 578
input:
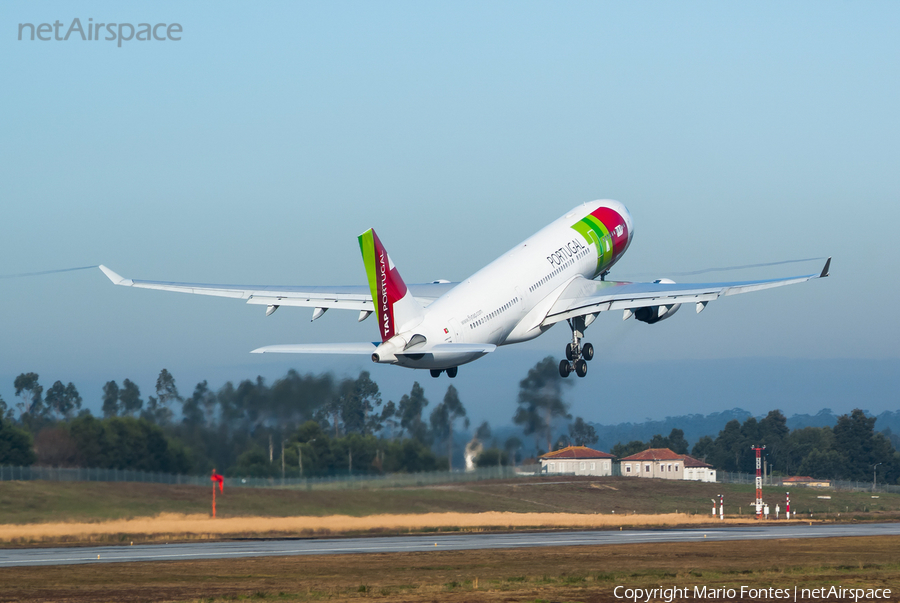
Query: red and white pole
column 759, row 501
column 721, row 507
column 787, row 511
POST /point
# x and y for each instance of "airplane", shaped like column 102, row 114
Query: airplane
column 558, row 274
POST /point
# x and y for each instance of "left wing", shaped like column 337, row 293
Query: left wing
column 350, row 297
column 582, row 296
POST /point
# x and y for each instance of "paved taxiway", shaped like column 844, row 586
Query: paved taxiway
column 398, row 544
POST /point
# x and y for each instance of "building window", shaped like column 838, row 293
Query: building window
column 593, row 466
column 676, row 466
column 670, row 466
column 582, row 466
column 552, row 466
column 647, row 468
column 627, row 468
column 606, row 465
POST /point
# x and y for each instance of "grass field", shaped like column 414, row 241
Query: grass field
column 40, row 502
column 587, row 573
column 44, row 513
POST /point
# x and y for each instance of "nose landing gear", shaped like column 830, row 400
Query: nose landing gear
column 577, row 355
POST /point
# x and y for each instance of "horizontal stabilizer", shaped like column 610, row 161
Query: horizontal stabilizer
column 365, row 347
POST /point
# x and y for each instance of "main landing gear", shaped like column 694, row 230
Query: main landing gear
column 451, row 372
column 577, row 354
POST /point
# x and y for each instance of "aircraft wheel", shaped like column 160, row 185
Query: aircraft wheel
column 570, row 352
column 580, row 367
column 564, row 368
column 451, row 372
column 436, row 373
column 587, row 351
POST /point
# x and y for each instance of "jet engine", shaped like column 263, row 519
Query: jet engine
column 654, row 314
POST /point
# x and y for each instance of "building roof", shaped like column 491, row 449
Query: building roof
column 802, row 478
column 576, row 452
column 655, row 454
column 690, row 461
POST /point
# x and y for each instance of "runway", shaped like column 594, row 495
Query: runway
column 398, row 544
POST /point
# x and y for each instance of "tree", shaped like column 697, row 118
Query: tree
column 483, row 433
column 703, row 448
column 581, row 433
column 774, row 432
column 801, row 442
column 410, row 410
column 540, row 400
column 31, row 392
column 195, row 408
column 358, row 400
column 54, row 447
column 130, row 403
column 5, row 411
column 492, row 457
column 62, row 400
column 512, row 446
column 111, row 399
column 442, row 419
column 16, row 445
column 388, row 418
column 157, row 410
column 126, row 443
column 856, row 442
column 824, row 464
column 676, row 442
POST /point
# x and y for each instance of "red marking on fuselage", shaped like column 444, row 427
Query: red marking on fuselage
column 617, row 227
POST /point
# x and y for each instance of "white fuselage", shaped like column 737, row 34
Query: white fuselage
column 506, row 301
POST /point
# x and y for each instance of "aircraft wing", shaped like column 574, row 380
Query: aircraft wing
column 583, row 296
column 344, row 297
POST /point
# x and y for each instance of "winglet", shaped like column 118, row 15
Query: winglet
column 824, row 270
column 117, row 279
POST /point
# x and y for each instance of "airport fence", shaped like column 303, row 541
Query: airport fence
column 333, row 482
column 727, row 477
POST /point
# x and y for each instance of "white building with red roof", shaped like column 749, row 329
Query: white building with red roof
column 662, row 463
column 577, row 460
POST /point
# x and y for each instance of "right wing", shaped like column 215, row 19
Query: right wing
column 351, row 297
column 582, row 296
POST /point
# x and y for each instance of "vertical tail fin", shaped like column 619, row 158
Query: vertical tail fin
column 395, row 307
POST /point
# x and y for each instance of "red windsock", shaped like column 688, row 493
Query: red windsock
column 218, row 478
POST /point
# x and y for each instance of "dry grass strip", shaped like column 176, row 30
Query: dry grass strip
column 173, row 525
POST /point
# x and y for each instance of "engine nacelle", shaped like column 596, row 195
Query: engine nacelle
column 654, row 314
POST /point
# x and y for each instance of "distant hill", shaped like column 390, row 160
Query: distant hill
column 697, row 425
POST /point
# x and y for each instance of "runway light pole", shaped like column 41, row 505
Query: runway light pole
column 759, row 501
column 874, row 468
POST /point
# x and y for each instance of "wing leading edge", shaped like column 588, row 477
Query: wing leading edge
column 342, row 297
column 582, row 296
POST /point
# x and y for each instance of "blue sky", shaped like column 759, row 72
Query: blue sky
column 255, row 149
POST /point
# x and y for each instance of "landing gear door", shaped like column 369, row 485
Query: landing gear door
column 456, row 331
